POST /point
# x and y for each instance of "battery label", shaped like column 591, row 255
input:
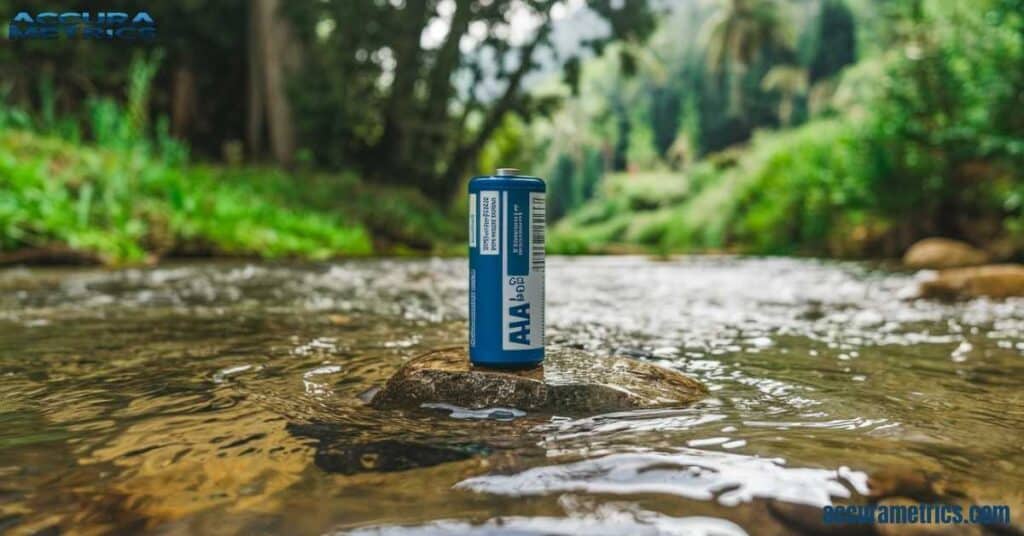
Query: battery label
column 489, row 224
column 522, row 245
column 472, row 220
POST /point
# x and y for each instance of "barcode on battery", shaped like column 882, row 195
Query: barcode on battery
column 537, row 221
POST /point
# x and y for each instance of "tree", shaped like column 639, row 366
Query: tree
column 386, row 91
column 947, row 138
column 790, row 81
column 562, row 191
column 736, row 34
column 272, row 56
column 834, row 40
column 204, row 55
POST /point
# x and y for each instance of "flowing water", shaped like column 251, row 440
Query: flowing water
column 230, row 398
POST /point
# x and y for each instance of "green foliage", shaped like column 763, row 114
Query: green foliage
column 511, row 146
column 646, row 191
column 572, row 180
column 131, row 196
column 740, row 32
column 945, row 117
column 926, row 139
column 395, row 217
column 124, row 207
column 420, row 114
column 204, row 38
column 12, row 117
column 923, row 135
column 790, row 82
column 126, row 127
column 641, row 151
column 787, row 194
column 830, row 43
column 799, row 187
column 682, row 103
column 561, row 194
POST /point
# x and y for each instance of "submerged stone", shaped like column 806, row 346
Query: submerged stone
column 339, row 451
column 569, row 381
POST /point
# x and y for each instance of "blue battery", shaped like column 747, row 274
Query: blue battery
column 506, row 270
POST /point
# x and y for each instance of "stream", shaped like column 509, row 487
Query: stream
column 230, row 397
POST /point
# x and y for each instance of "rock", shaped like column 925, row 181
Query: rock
column 993, row 281
column 897, row 482
column 940, row 253
column 570, row 381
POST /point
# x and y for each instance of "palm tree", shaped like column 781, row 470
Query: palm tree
column 791, row 82
column 735, row 34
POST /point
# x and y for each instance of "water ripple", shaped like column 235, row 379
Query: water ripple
column 695, row 474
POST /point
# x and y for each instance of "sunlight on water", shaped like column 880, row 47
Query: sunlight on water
column 695, row 474
column 456, row 412
column 231, row 398
column 611, row 519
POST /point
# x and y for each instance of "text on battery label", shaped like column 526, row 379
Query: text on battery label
column 489, row 224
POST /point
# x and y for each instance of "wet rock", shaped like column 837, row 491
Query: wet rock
column 993, row 281
column 941, row 253
column 384, row 457
column 570, row 381
column 900, row 482
column 337, row 452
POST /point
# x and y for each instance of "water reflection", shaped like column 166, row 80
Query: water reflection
column 231, row 398
column 611, row 519
column 727, row 478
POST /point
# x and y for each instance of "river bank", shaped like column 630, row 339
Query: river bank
column 800, row 192
column 65, row 202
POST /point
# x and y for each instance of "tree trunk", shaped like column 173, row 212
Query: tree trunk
column 275, row 56
column 254, row 121
column 183, row 101
column 396, row 144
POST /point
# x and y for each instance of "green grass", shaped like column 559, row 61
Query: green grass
column 127, row 207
